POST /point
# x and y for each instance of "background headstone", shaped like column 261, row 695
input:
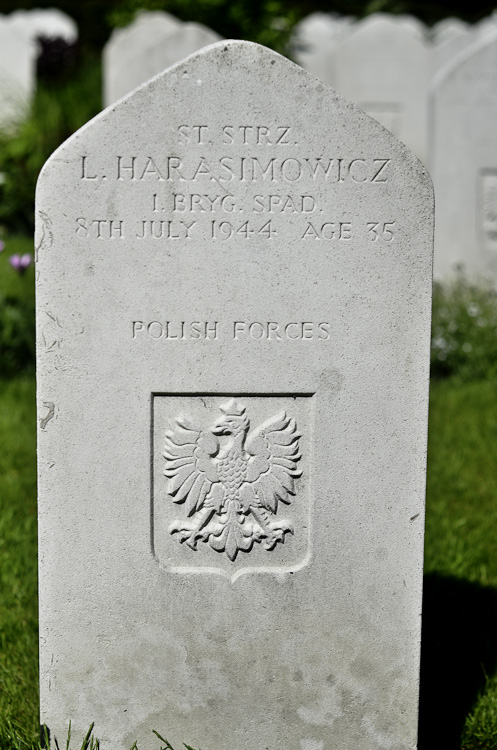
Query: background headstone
column 450, row 37
column 314, row 43
column 125, row 45
column 383, row 65
column 50, row 23
column 232, row 242
column 127, row 65
column 19, row 47
column 464, row 162
column 17, row 71
column 487, row 25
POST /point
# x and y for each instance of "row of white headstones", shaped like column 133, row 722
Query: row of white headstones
column 436, row 90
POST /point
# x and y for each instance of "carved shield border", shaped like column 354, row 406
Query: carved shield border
column 290, row 554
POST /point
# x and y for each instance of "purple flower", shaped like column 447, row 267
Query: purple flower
column 20, row 262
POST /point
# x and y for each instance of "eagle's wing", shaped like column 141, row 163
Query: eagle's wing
column 188, row 451
column 272, row 465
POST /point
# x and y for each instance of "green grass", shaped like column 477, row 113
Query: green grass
column 459, row 659
column 459, row 647
column 462, row 482
column 18, row 577
column 480, row 731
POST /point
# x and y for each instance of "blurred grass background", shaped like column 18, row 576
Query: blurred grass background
column 458, row 707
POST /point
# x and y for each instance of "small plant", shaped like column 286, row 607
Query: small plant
column 89, row 742
column 167, row 745
column 464, row 331
column 20, row 262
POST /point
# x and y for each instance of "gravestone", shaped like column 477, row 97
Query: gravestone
column 125, row 44
column 383, row 65
column 314, row 43
column 450, row 37
column 487, row 25
column 233, row 290
column 151, row 55
column 464, row 162
column 50, row 23
column 17, row 72
column 154, row 55
column 156, row 41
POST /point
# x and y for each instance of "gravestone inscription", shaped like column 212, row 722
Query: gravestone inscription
column 234, row 282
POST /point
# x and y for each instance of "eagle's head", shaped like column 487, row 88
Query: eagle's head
column 233, row 421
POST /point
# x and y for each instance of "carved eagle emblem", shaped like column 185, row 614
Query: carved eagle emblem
column 231, row 491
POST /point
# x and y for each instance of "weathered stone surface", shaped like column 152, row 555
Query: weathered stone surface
column 139, row 54
column 231, row 243
column 464, row 162
column 383, row 65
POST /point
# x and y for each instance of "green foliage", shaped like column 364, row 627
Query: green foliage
column 464, row 331
column 16, row 337
column 267, row 22
column 17, row 316
column 56, row 112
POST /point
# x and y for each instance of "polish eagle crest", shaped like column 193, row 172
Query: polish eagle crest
column 231, row 491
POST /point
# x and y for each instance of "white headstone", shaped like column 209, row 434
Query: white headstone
column 448, row 29
column 383, row 65
column 46, row 22
column 126, row 45
column 234, row 282
column 450, row 37
column 314, row 43
column 144, row 62
column 487, row 25
column 17, row 72
column 464, row 162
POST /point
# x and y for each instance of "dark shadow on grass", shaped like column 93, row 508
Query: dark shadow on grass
column 458, row 648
